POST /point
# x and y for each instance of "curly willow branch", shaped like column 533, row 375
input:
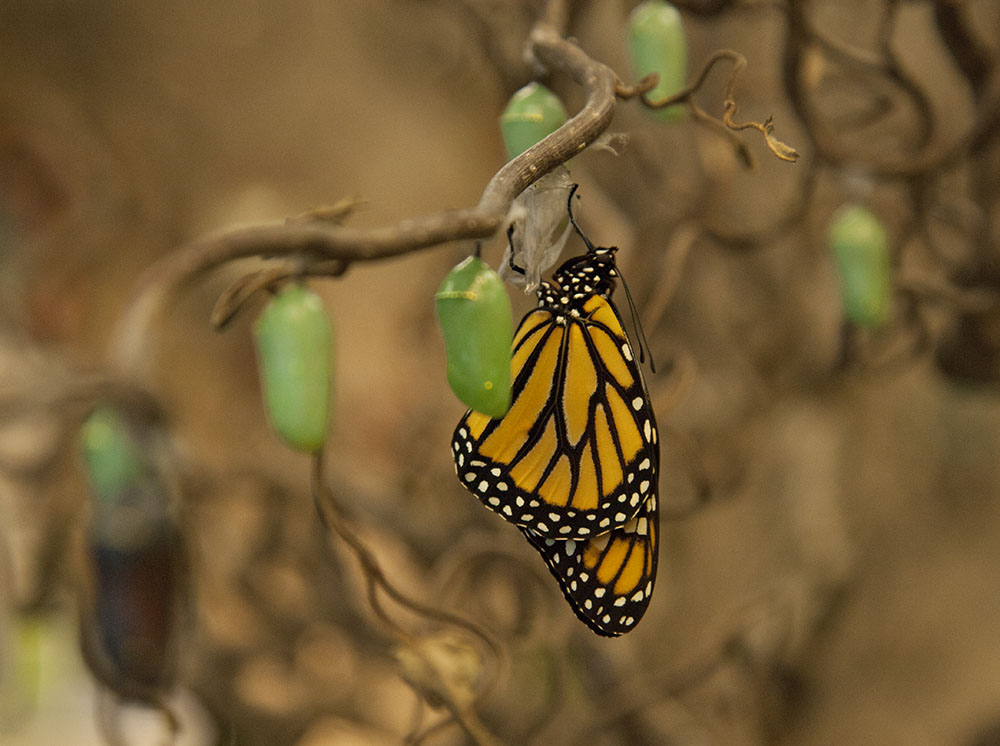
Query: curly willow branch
column 320, row 240
column 376, row 580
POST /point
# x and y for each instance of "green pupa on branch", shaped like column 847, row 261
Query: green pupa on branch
column 478, row 327
column 294, row 351
column 532, row 114
column 860, row 248
column 658, row 45
column 114, row 460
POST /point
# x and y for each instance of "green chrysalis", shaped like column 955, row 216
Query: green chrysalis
column 294, row 350
column 475, row 316
column 124, row 460
column 861, row 249
column 533, row 113
column 115, row 460
column 656, row 39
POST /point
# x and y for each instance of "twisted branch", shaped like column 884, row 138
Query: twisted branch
column 319, row 240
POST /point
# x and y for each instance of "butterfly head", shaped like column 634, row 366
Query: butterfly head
column 579, row 279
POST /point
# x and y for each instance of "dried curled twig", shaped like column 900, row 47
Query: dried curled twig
column 686, row 96
column 427, row 658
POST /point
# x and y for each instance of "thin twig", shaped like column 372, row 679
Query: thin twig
column 801, row 41
column 234, row 298
column 645, row 85
column 376, row 580
column 674, row 258
column 373, row 571
column 686, row 96
column 972, row 56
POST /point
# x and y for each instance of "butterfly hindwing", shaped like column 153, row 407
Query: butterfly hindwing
column 608, row 580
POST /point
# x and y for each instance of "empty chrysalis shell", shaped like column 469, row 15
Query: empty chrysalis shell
column 861, row 250
column 533, row 113
column 658, row 45
column 130, row 594
column 475, row 316
column 294, row 350
column 540, row 229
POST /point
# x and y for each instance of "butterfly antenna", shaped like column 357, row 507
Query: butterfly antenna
column 510, row 242
column 637, row 324
column 478, row 253
column 572, row 220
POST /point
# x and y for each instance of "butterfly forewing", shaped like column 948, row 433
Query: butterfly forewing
column 574, row 456
column 608, row 579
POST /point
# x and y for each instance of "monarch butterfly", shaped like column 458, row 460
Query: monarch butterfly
column 574, row 462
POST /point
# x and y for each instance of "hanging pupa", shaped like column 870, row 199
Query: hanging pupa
column 294, row 351
column 533, row 113
column 476, row 321
column 860, row 249
column 658, row 45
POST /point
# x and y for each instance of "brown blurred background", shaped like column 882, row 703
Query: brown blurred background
column 841, row 582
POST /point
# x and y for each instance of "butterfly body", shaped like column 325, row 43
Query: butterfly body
column 574, row 462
